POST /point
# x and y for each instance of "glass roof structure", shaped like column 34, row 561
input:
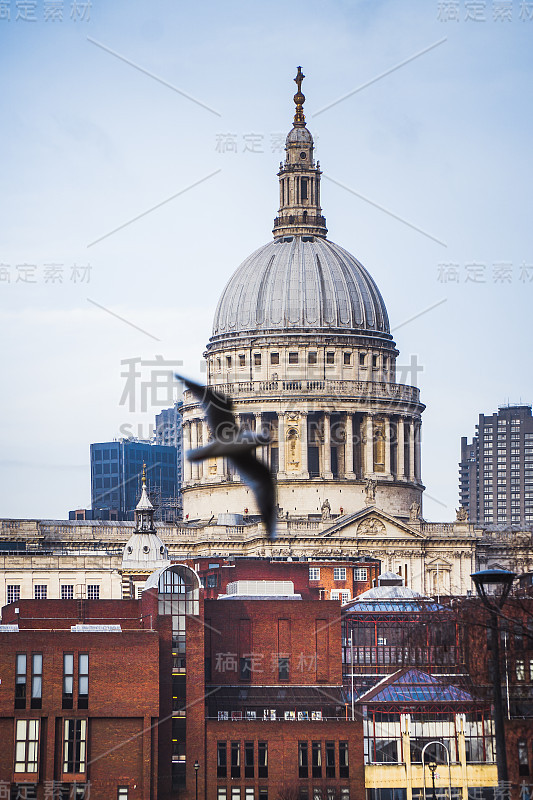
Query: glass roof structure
column 414, row 686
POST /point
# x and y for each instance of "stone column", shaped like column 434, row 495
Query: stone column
column 235, row 476
column 369, row 445
column 205, row 439
column 387, row 446
column 418, row 451
column 348, row 446
column 187, row 466
column 327, row 446
column 281, row 443
column 194, row 444
column 304, row 467
column 411, row 450
column 400, row 448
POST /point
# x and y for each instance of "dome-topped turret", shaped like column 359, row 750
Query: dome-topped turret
column 301, row 283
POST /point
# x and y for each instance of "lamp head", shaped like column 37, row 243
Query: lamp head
column 493, row 586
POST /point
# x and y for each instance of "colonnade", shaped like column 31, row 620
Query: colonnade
column 372, row 444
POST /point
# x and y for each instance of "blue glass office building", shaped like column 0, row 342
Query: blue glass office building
column 116, row 470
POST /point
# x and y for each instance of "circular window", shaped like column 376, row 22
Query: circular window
column 303, row 155
column 161, row 549
column 146, row 549
column 129, row 549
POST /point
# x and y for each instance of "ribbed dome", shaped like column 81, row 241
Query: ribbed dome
column 301, row 285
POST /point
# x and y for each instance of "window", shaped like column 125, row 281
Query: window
column 26, row 745
column 316, row 759
column 13, row 593
column 520, row 670
column 68, row 680
column 274, row 358
column 523, row 761
column 303, row 760
column 314, row 573
column 345, row 597
column 312, row 358
column 344, row 770
column 248, row 759
column 374, row 362
column 242, row 360
column 74, row 741
column 330, row 357
column 339, row 573
column 222, row 793
column 36, row 680
column 222, row 760
column 360, row 574
column 293, row 358
column 235, row 760
column 262, row 761
column 263, row 793
column 93, row 592
column 40, row 591
column 362, row 358
column 83, row 680
column 257, row 359
column 67, row 592
column 122, row 793
column 347, row 357
column 20, row 680
column 330, row 759
column 303, row 185
column 283, row 668
column 228, row 361
column 235, row 793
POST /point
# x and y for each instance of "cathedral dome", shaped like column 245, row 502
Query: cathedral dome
column 301, row 283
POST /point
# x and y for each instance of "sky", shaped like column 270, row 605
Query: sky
column 140, row 144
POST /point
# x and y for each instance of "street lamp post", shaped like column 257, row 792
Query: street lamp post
column 432, row 766
column 196, row 768
column 501, row 581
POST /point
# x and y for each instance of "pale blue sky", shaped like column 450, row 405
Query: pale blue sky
column 90, row 142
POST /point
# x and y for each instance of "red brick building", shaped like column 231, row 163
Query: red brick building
column 516, row 668
column 122, row 699
column 332, row 579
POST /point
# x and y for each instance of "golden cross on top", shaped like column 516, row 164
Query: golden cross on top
column 144, row 474
column 299, row 78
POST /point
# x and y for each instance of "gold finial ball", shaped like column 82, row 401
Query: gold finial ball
column 299, row 98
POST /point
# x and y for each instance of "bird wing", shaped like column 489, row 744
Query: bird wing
column 218, row 408
column 258, row 476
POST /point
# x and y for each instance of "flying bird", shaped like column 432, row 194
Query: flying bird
column 238, row 446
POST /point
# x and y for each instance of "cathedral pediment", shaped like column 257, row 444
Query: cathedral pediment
column 371, row 523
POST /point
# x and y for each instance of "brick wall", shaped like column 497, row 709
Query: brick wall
column 308, row 632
